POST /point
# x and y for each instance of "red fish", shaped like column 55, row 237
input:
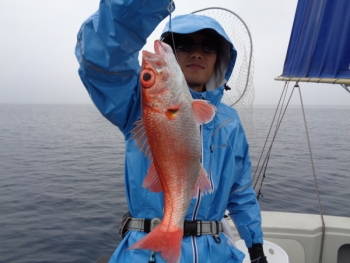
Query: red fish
column 169, row 135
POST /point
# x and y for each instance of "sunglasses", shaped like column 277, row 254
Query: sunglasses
column 188, row 45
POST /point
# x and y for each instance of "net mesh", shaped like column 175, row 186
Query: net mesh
column 241, row 95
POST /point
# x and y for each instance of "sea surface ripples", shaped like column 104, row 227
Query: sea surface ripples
column 61, row 189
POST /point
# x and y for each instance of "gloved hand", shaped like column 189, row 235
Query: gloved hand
column 256, row 253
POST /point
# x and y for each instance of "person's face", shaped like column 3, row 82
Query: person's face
column 197, row 61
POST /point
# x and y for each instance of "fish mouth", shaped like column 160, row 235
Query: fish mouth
column 161, row 48
column 156, row 61
column 158, row 49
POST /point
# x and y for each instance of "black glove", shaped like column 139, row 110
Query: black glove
column 256, row 253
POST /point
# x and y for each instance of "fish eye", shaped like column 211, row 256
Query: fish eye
column 147, row 78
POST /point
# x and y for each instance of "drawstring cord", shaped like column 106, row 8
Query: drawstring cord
column 152, row 259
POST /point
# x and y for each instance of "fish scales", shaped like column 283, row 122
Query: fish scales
column 170, row 122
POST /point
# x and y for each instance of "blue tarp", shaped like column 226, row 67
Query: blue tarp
column 319, row 45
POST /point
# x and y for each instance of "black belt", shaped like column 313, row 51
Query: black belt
column 191, row 228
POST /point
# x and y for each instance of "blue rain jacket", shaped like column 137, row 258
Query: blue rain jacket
column 107, row 50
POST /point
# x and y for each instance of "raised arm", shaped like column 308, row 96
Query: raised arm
column 107, row 50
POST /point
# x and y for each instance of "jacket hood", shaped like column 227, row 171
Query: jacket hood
column 190, row 23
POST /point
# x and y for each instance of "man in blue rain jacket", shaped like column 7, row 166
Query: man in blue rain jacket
column 107, row 50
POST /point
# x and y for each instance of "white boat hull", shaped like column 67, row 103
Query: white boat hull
column 299, row 235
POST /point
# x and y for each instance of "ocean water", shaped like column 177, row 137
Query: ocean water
column 61, row 171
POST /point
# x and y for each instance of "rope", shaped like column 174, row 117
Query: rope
column 314, row 174
column 279, row 120
column 346, row 87
column 264, row 165
column 268, row 134
column 263, row 178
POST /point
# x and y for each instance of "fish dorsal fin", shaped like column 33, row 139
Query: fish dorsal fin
column 139, row 134
column 203, row 184
column 152, row 181
column 203, row 111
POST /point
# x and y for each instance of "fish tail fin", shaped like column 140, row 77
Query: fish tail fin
column 167, row 242
column 203, row 184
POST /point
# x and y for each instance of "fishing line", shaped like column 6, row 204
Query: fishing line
column 171, row 9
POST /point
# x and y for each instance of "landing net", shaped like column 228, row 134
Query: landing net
column 241, row 95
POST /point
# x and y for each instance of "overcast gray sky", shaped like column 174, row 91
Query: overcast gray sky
column 38, row 65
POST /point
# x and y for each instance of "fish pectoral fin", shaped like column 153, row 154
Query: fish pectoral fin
column 152, row 181
column 139, row 134
column 203, row 111
column 203, row 184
